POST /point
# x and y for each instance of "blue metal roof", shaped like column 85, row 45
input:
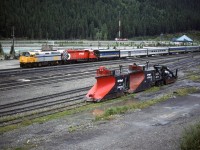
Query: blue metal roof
column 184, row 38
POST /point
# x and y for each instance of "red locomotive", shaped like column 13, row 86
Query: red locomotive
column 72, row 55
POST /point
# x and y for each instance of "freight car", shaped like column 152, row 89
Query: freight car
column 114, row 83
column 41, row 58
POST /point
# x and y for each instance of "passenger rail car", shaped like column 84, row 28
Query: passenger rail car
column 174, row 50
column 158, row 51
column 184, row 49
column 107, row 54
column 132, row 52
column 41, row 58
column 192, row 48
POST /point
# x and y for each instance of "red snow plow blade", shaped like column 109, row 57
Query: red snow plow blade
column 105, row 83
column 101, row 88
column 136, row 77
column 135, row 81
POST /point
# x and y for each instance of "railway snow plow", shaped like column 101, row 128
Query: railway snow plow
column 114, row 83
column 109, row 84
column 140, row 78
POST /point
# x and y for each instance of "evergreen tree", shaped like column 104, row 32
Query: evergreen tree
column 72, row 19
column 1, row 50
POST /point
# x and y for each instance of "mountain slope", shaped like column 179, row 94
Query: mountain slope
column 92, row 19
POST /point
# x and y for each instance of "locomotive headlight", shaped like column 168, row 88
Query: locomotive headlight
column 68, row 56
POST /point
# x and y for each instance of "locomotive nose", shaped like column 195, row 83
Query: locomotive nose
column 66, row 55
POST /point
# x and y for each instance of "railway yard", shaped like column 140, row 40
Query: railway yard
column 44, row 93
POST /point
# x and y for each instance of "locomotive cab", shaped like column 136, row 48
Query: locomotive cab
column 27, row 58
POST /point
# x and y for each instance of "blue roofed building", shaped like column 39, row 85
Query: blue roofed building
column 183, row 39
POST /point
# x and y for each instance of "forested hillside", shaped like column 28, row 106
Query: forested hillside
column 88, row 19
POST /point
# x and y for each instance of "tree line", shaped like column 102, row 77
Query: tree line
column 96, row 19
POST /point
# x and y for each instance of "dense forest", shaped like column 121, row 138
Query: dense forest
column 92, row 19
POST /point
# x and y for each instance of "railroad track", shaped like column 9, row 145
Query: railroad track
column 24, row 71
column 50, row 104
column 34, row 115
column 22, row 83
column 54, row 110
column 42, row 104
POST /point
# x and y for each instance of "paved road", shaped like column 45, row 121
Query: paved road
column 9, row 64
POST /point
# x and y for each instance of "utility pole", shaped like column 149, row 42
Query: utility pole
column 47, row 37
column 119, row 25
column 12, row 50
column 13, row 36
column 98, row 39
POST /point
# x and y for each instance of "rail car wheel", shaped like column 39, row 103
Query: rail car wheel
column 159, row 83
column 28, row 65
column 22, row 65
column 59, row 63
column 39, row 64
column 34, row 65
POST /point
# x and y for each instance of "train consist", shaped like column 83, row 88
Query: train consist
column 114, row 83
column 56, row 57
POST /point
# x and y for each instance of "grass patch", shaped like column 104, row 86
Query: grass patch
column 108, row 114
column 9, row 128
column 194, row 77
column 72, row 128
column 185, row 91
column 27, row 122
column 190, row 138
column 26, row 146
column 153, row 89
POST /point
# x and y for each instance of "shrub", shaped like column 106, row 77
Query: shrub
column 191, row 138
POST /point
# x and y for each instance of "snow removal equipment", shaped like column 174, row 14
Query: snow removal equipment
column 114, row 83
